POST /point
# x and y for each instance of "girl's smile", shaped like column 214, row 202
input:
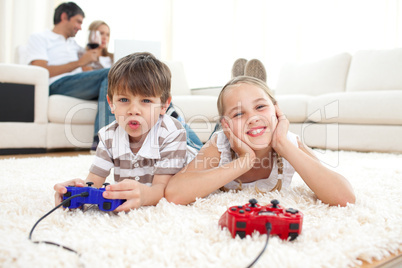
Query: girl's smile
column 256, row 131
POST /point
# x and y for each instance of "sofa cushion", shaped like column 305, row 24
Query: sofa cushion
column 196, row 108
column 369, row 107
column 69, row 110
column 315, row 78
column 375, row 70
column 294, row 106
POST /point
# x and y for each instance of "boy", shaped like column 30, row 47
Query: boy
column 144, row 145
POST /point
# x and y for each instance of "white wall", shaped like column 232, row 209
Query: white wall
column 207, row 36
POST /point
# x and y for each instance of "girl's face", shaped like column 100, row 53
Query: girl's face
column 105, row 35
column 250, row 114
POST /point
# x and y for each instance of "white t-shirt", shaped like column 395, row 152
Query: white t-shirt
column 54, row 49
column 263, row 184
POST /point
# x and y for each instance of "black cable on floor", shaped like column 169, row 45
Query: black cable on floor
column 269, row 228
column 84, row 194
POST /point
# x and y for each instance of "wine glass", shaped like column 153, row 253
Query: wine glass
column 95, row 39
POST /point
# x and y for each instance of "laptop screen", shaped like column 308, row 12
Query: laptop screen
column 125, row 47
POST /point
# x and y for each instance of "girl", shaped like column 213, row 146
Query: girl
column 254, row 149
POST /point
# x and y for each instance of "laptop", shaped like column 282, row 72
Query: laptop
column 123, row 48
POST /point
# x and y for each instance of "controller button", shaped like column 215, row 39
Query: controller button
column 253, row 202
column 248, row 209
column 241, row 224
column 241, row 211
column 292, row 211
column 275, row 203
column 239, row 206
column 90, row 183
column 233, row 209
column 242, row 234
column 107, row 205
column 294, row 226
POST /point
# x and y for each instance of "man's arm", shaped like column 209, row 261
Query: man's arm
column 54, row 70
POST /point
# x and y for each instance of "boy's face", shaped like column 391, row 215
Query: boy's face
column 137, row 114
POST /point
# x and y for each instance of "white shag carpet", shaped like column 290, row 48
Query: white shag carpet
column 169, row 235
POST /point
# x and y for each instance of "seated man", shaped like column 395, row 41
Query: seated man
column 57, row 51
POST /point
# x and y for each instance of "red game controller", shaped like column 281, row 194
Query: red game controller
column 244, row 220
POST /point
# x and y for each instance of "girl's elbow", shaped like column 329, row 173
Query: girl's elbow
column 173, row 196
column 344, row 200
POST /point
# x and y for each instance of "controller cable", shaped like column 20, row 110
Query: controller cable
column 269, row 228
column 84, row 194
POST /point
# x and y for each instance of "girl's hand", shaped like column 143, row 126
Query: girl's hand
column 279, row 137
column 240, row 147
column 61, row 189
column 127, row 189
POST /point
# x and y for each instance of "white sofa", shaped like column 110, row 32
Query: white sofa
column 66, row 122
column 343, row 102
column 346, row 102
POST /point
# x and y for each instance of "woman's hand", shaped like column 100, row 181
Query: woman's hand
column 279, row 137
column 240, row 147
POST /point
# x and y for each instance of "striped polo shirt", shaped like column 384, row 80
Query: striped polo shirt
column 162, row 153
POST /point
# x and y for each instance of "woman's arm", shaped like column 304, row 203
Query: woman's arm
column 203, row 175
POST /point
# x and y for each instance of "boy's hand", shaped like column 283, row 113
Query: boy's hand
column 61, row 189
column 127, row 189
column 279, row 137
column 240, row 147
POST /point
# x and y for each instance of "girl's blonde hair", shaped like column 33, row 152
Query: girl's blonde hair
column 221, row 109
column 93, row 27
column 243, row 80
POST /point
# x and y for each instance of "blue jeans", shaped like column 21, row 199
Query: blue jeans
column 88, row 86
column 192, row 138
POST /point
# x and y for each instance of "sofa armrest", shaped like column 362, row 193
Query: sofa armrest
column 30, row 75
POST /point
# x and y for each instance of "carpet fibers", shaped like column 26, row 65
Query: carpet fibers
column 169, row 235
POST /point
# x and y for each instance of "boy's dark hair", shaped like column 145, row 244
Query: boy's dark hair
column 70, row 8
column 140, row 74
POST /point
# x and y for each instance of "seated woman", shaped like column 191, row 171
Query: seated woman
column 105, row 58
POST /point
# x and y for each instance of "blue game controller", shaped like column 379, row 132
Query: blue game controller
column 93, row 196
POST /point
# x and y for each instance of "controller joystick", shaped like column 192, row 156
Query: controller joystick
column 93, row 196
column 89, row 183
column 253, row 202
column 275, row 203
column 106, row 184
column 244, row 220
